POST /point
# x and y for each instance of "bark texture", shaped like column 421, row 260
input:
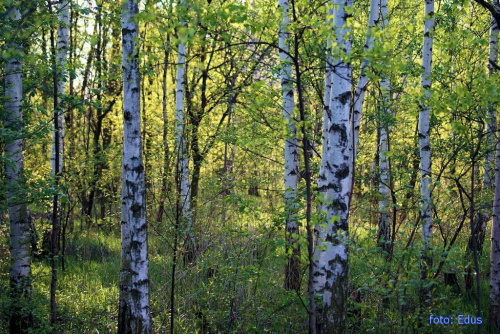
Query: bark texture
column 134, row 309
column 165, row 184
column 484, row 211
column 494, row 320
column 326, row 107
column 359, row 95
column 495, row 250
column 384, row 221
column 182, row 177
column 61, row 56
column 425, row 147
column 330, row 261
column 20, row 270
column 384, row 227
column 292, row 274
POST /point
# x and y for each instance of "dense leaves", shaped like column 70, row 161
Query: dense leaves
column 235, row 133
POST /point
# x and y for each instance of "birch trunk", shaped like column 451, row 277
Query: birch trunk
column 165, row 185
column 384, row 227
column 55, row 160
column 384, row 222
column 495, row 229
column 182, row 154
column 61, row 56
column 292, row 274
column 319, row 230
column 425, row 148
column 330, row 260
column 484, row 212
column 20, row 269
column 326, row 101
column 359, row 95
column 495, row 250
column 134, row 310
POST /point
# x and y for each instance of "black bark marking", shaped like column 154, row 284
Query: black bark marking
column 338, row 206
column 341, row 129
column 344, row 97
column 126, row 31
column 136, row 210
column 342, row 172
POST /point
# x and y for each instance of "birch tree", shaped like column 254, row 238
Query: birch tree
column 425, row 146
column 292, row 274
column 20, row 270
column 384, row 228
column 61, row 56
column 330, row 260
column 484, row 213
column 494, row 319
column 377, row 8
column 181, row 146
column 326, row 107
column 56, row 158
column 495, row 250
column 359, row 95
column 134, row 309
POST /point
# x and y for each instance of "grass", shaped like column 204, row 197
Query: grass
column 241, row 290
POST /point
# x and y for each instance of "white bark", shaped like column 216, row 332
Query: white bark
column 18, row 215
column 384, row 230
column 181, row 143
column 424, row 139
column 291, row 149
column 134, row 309
column 489, row 160
column 61, row 56
column 491, row 114
column 330, row 260
column 495, row 249
column 495, row 229
column 326, row 100
column 359, row 95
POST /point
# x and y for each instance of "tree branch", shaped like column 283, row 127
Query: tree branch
column 492, row 7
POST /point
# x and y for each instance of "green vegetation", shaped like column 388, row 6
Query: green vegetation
column 219, row 264
column 243, row 291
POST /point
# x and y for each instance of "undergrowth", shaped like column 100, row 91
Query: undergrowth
column 239, row 288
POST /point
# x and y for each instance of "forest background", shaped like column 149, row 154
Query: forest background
column 243, row 128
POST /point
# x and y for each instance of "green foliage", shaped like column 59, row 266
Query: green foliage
column 236, row 283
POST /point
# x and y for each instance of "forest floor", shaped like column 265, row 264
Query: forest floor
column 239, row 289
